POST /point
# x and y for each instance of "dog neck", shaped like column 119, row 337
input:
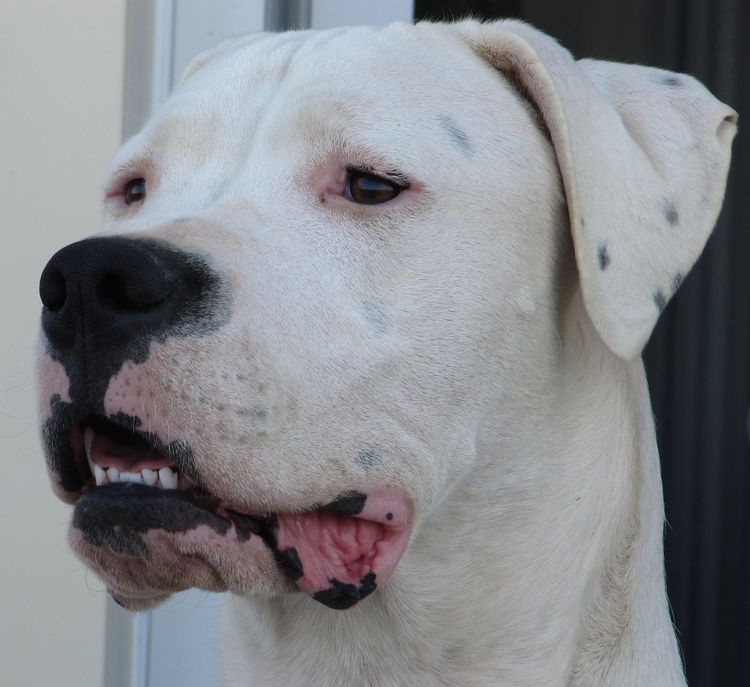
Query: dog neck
column 543, row 567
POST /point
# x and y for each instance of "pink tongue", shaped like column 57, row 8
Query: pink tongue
column 339, row 559
column 135, row 456
column 329, row 547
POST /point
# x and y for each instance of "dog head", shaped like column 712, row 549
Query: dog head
column 322, row 261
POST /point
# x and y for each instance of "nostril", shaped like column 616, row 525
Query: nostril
column 53, row 289
column 124, row 293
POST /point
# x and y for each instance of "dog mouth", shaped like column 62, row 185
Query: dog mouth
column 142, row 504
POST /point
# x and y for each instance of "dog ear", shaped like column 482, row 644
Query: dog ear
column 643, row 154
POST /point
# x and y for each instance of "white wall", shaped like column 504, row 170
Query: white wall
column 61, row 74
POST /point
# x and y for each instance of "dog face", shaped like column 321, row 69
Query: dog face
column 322, row 262
column 274, row 320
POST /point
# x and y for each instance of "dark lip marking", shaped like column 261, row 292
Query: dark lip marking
column 58, row 452
column 660, row 299
column 457, row 134
column 116, row 515
column 290, row 563
column 348, row 503
column 603, row 256
column 245, row 525
column 341, row 596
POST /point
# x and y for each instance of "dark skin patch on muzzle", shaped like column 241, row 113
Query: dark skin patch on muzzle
column 116, row 515
column 348, row 503
column 341, row 596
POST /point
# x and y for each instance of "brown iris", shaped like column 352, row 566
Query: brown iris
column 368, row 189
column 135, row 191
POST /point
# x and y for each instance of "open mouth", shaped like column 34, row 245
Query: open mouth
column 137, row 491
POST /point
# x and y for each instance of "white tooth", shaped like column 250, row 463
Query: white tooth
column 149, row 476
column 88, row 438
column 167, row 478
column 99, row 475
column 130, row 477
column 114, row 475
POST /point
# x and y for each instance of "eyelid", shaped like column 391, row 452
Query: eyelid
column 396, row 178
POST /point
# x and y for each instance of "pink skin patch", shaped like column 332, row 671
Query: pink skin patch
column 199, row 557
column 349, row 553
column 53, row 381
column 131, row 391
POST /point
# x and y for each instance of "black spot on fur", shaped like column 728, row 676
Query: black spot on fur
column 660, row 299
column 377, row 317
column 671, row 81
column 369, row 458
column 677, row 281
column 459, row 137
column 670, row 212
column 342, row 596
column 290, row 563
column 349, row 503
column 603, row 256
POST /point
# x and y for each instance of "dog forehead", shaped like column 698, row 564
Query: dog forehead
column 384, row 71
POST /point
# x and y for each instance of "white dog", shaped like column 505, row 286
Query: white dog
column 366, row 321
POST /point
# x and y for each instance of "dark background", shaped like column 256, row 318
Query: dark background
column 697, row 360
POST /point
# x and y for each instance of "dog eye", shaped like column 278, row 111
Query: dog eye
column 135, row 191
column 368, row 189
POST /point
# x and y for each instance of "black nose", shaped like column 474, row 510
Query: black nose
column 105, row 292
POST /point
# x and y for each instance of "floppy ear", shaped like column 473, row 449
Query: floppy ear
column 643, row 154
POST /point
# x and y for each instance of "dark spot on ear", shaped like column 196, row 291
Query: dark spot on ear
column 660, row 299
column 389, row 516
column 348, row 503
column 603, row 256
column 457, row 135
column 342, row 596
column 677, row 281
column 368, row 458
column 671, row 81
column 670, row 212
column 290, row 563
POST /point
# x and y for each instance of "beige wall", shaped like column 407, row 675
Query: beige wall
column 61, row 74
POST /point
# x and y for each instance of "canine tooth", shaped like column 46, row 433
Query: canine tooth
column 99, row 475
column 149, row 476
column 167, row 478
column 114, row 475
column 130, row 477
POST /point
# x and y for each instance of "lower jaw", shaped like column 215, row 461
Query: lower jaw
column 125, row 533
